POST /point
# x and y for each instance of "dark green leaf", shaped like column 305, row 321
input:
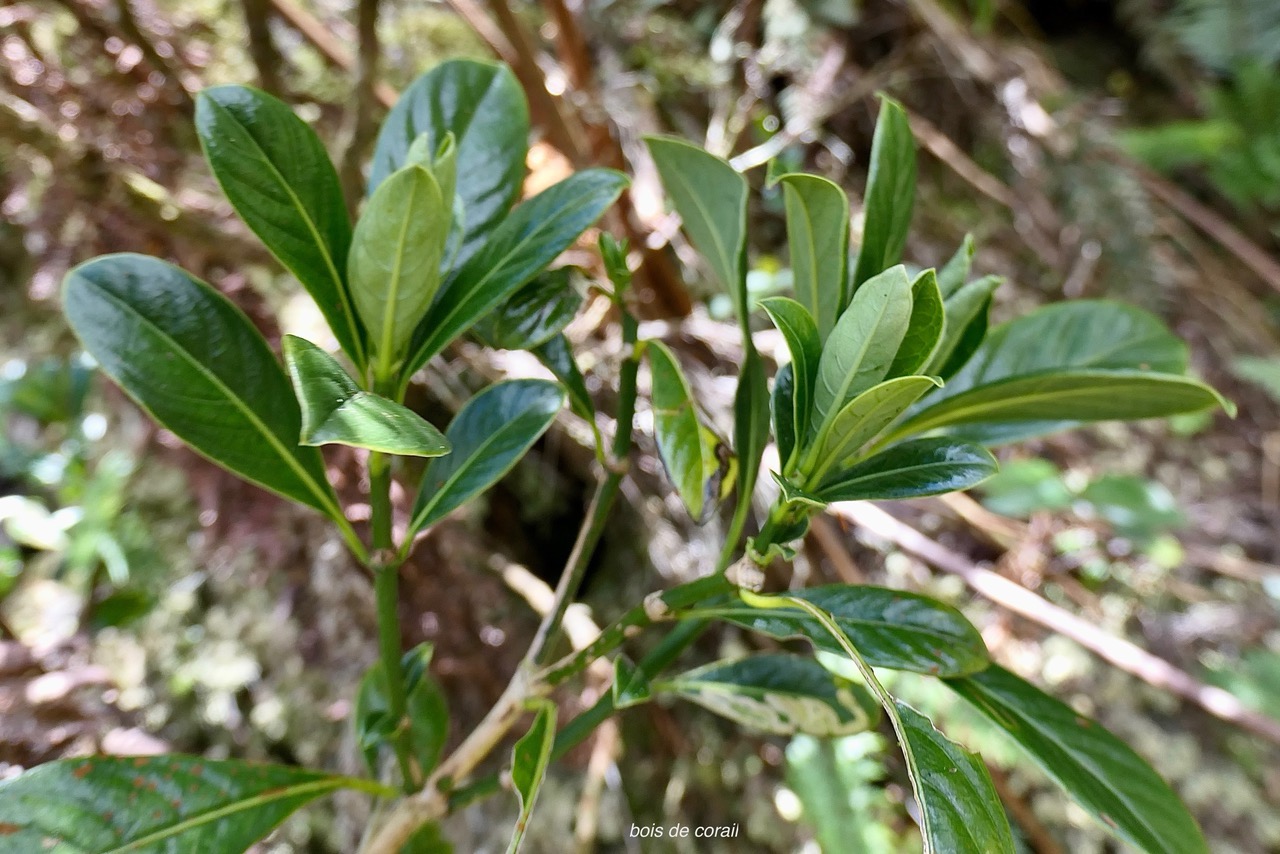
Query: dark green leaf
column 1099, row 770
column 966, row 325
column 783, row 406
column 425, row 706
column 394, row 267
column 955, row 272
column 335, row 411
column 780, row 694
column 534, row 314
column 483, row 106
column 529, row 760
column 276, row 173
column 863, row 344
column 489, row 436
column 818, row 237
column 106, row 804
column 711, row 198
column 534, row 234
column 892, row 628
column 196, row 363
column 860, row 421
column 558, row 358
column 750, row 422
column 911, row 470
column 890, row 195
column 689, row 450
column 925, row 328
column 797, row 327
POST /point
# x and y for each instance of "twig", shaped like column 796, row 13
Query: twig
column 262, row 47
column 330, row 48
column 846, row 568
column 603, row 756
column 1119, row 652
column 1038, row 836
column 363, row 114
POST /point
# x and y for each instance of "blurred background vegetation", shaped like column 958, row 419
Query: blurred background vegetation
column 1126, row 149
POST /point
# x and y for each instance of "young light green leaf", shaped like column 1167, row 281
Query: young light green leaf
column 193, row 360
column 863, row 344
column 425, row 707
column 529, row 239
column 782, row 405
column 711, row 198
column 890, row 194
column 911, row 470
column 336, row 411
column 489, row 435
column 779, row 694
column 394, row 267
column 859, row 422
column 529, row 760
column 483, row 106
column 107, row 804
column 277, row 175
column 966, row 312
column 818, row 237
column 689, row 451
column 556, row 355
column 1099, row 770
column 923, row 330
column 797, row 327
column 955, row 272
column 892, row 628
column 535, row 313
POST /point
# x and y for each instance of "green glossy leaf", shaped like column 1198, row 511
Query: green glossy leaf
column 193, row 360
column 818, row 237
column 108, row 804
column 630, row 686
column 711, row 198
column 966, row 325
column 689, row 451
column 1099, row 770
column 535, row 313
column 425, row 706
column 797, row 327
column 483, row 106
column 892, row 628
column 924, row 330
column 277, row 175
column 890, row 194
column 783, row 409
column 750, row 422
column 862, row 420
column 534, row 234
column 489, row 435
column 335, row 411
column 529, row 760
column 911, row 470
column 556, row 355
column 863, row 344
column 955, row 272
column 394, row 267
column 779, row 694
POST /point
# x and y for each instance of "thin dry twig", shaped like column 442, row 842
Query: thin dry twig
column 329, row 46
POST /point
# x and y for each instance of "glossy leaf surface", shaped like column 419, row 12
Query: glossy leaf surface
column 955, row 273
column 688, row 450
column 1099, row 770
column 782, row 407
column 425, row 707
column 966, row 325
column 193, row 360
column 534, row 314
column 750, row 422
column 277, row 175
column 911, row 469
column 801, row 334
column 489, row 435
column 105, row 804
column 861, row 420
column 924, row 330
column 529, row 760
column 818, row 238
column 556, row 355
column 890, row 194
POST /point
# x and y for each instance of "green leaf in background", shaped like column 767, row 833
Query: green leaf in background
column 858, row 423
column 711, row 198
column 779, row 694
column 911, row 469
column 966, row 313
column 924, row 330
column 1099, row 770
column 394, row 266
column 1023, row 487
column 782, row 404
column 529, row 760
column 797, row 327
column 863, row 344
column 193, row 360
column 557, row 356
column 1135, row 507
column 335, row 411
column 529, row 239
column 890, row 194
column 892, row 628
column 818, row 237
column 1261, row 371
column 534, row 314
column 955, row 272
column 277, row 175
column 690, row 451
column 483, row 106
column 425, row 707
column 427, row 839
column 104, row 804
column 489, row 435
